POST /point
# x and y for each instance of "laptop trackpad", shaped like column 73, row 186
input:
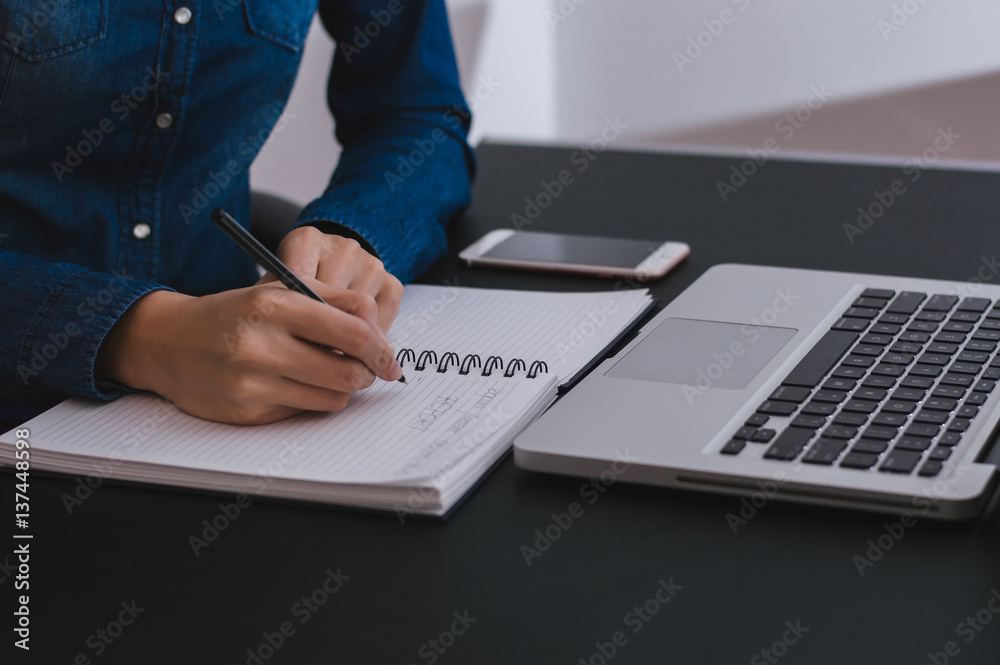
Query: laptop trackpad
column 702, row 353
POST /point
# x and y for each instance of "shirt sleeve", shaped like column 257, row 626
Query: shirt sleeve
column 406, row 167
column 54, row 317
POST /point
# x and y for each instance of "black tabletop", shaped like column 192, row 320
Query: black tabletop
column 535, row 568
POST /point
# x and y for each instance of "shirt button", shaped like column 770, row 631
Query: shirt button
column 141, row 231
column 182, row 15
column 164, row 120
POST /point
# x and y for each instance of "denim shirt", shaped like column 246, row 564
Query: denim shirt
column 124, row 123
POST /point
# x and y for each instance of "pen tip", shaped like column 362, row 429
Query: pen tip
column 402, row 379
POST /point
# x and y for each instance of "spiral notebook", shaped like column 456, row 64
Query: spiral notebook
column 480, row 365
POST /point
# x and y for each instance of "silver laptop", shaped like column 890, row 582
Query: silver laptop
column 861, row 391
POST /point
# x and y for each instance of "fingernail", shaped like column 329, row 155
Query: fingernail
column 395, row 371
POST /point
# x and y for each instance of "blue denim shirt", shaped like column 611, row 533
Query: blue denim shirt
column 124, row 123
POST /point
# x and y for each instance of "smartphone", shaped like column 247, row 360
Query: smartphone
column 588, row 255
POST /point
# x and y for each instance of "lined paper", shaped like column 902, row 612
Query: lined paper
column 391, row 432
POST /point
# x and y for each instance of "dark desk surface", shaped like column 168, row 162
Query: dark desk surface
column 739, row 592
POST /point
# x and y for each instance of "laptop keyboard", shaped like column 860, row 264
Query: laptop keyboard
column 893, row 385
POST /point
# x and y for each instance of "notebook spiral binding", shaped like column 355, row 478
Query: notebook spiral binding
column 471, row 362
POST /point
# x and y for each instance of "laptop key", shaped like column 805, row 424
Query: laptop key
column 744, row 433
column 922, row 430
column 915, row 443
column 889, row 419
column 860, row 405
column 950, row 439
column 777, row 408
column 850, row 419
column 847, row 372
column 895, row 318
column 881, row 340
column 819, row 409
column 733, row 447
column 912, row 394
column 840, row 384
column 984, row 386
column 899, row 406
column 972, row 317
column 849, row 324
column 900, row 461
column 883, row 294
column 907, row 302
column 790, row 394
column 867, row 350
column 880, row 432
column 989, row 335
column 831, row 396
column 992, row 373
column 981, row 345
column 756, row 420
column 889, row 370
column 840, row 432
column 861, row 313
column 954, row 392
column 940, row 453
column 912, row 381
column 965, row 368
column 977, row 399
column 950, row 337
column 808, row 421
column 789, row 443
column 962, row 380
column 821, row 358
column 885, row 328
column 912, row 348
column 957, row 326
column 941, row 347
column 930, row 469
column 972, row 356
column 968, row 411
column 925, row 370
column 763, row 435
column 868, row 301
column 870, row 446
column 959, row 425
column 975, row 304
column 941, row 404
column 874, row 394
column 859, row 361
column 932, row 417
column 876, row 381
column 935, row 359
column 824, row 451
column 854, row 460
column 926, row 315
column 940, row 303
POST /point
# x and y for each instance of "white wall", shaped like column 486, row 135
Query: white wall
column 556, row 70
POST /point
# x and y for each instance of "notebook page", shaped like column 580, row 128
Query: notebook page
column 389, row 433
column 564, row 330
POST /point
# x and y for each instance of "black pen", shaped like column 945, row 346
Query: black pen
column 263, row 256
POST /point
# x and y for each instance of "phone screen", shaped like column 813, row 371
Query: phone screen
column 584, row 250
